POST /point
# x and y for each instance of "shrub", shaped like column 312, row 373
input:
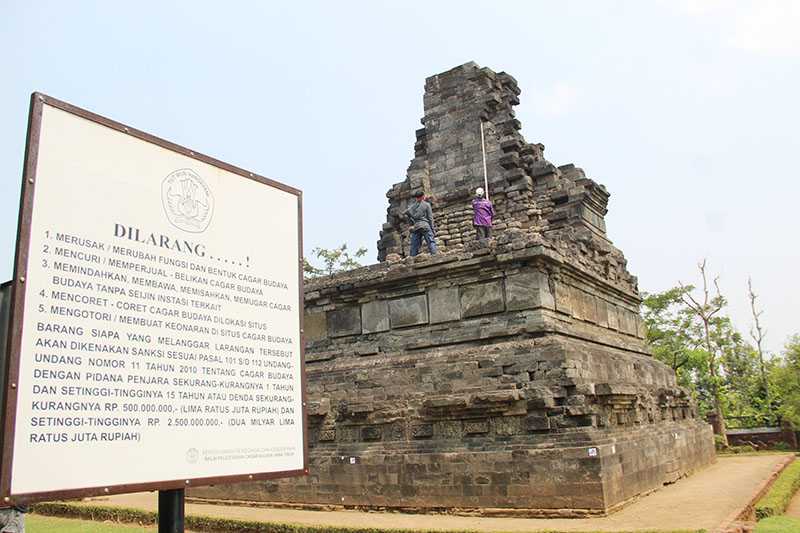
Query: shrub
column 777, row 499
column 746, row 448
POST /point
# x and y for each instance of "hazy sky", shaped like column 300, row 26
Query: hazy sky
column 687, row 111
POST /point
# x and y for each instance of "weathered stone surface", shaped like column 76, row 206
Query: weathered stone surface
column 613, row 316
column 410, row 311
column 315, row 327
column 627, row 322
column 563, row 298
column 602, row 312
column 641, row 330
column 320, row 407
column 482, row 299
column 528, row 290
column 576, row 299
column 538, row 423
column 422, row 431
column 444, row 304
column 371, row 433
column 605, row 389
column 375, row 316
column 589, row 307
column 472, row 427
column 327, row 435
column 344, row 321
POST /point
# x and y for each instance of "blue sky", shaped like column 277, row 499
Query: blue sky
column 687, row 111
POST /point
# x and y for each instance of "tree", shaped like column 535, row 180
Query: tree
column 705, row 311
column 334, row 260
column 713, row 359
column 758, row 334
column 739, row 383
column 673, row 334
column 785, row 382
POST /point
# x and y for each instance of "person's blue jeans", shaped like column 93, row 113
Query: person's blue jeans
column 416, row 241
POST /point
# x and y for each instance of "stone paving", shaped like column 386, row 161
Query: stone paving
column 704, row 500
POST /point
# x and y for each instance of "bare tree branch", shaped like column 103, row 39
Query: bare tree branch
column 705, row 313
column 693, row 304
column 758, row 336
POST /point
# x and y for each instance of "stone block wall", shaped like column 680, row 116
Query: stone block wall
column 484, row 295
column 764, row 437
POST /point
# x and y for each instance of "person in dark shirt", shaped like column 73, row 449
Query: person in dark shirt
column 483, row 214
column 420, row 215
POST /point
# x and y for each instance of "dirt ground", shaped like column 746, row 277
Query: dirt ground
column 704, row 500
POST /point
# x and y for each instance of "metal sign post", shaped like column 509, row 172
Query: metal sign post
column 5, row 321
column 171, row 509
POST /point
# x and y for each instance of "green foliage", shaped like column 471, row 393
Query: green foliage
column 96, row 512
column 742, row 393
column 334, row 260
column 676, row 336
column 784, row 379
column 778, row 524
column 775, row 501
column 746, row 448
column 672, row 331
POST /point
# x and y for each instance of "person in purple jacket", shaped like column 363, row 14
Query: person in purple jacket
column 483, row 215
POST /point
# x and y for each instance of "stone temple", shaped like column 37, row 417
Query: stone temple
column 506, row 379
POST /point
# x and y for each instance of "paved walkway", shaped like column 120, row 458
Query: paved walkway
column 704, row 500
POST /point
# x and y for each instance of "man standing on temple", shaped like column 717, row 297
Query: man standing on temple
column 483, row 213
column 420, row 215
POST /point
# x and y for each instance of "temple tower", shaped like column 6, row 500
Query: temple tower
column 528, row 191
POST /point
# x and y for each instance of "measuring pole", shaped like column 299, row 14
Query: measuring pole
column 485, row 175
column 170, row 511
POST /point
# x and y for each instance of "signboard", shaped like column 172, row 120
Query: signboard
column 156, row 322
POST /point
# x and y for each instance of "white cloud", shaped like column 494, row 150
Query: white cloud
column 768, row 27
column 559, row 99
column 698, row 7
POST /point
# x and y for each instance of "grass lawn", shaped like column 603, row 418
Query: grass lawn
column 46, row 524
column 778, row 524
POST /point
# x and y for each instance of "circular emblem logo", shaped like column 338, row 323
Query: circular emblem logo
column 187, row 200
column 192, row 455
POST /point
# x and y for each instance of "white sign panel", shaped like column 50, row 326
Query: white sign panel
column 160, row 336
